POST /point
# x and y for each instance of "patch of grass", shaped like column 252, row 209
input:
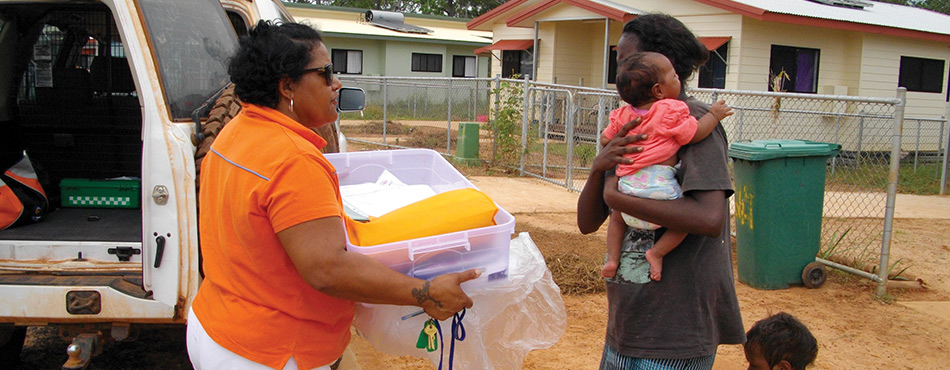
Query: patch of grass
column 874, row 177
column 574, row 260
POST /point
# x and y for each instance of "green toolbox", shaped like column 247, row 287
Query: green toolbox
column 115, row 193
column 780, row 187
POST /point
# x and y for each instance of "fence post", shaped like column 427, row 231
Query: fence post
column 494, row 139
column 882, row 270
column 569, row 133
column 600, row 121
column 861, row 135
column 385, row 104
column 834, row 160
column 448, row 127
column 917, row 147
column 524, row 128
column 946, row 149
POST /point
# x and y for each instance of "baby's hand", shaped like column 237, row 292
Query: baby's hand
column 720, row 110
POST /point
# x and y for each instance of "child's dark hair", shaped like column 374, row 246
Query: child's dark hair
column 636, row 75
column 782, row 337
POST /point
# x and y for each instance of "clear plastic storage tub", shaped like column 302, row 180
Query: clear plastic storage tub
column 485, row 248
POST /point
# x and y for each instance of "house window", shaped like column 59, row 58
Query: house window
column 516, row 63
column 921, row 74
column 713, row 73
column 463, row 66
column 612, row 65
column 426, row 62
column 348, row 61
column 793, row 69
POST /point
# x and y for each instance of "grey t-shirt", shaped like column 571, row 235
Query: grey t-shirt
column 694, row 307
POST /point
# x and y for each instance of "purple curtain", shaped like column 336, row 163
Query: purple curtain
column 805, row 73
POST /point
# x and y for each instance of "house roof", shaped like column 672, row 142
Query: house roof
column 884, row 18
column 346, row 22
column 506, row 45
column 606, row 8
column 880, row 18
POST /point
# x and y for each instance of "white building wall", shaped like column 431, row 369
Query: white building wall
column 502, row 32
column 373, row 63
column 719, row 25
column 880, row 69
column 836, row 59
column 573, row 59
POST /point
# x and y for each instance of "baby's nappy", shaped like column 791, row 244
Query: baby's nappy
column 651, row 182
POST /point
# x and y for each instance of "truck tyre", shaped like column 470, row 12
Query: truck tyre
column 11, row 344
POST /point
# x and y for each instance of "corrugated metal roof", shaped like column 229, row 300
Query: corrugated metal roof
column 880, row 14
column 367, row 30
column 621, row 7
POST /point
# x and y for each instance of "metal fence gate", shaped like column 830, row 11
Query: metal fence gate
column 561, row 125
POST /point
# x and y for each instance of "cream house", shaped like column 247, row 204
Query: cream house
column 843, row 47
column 378, row 43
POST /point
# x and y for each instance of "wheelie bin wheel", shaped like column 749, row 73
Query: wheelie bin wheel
column 814, row 275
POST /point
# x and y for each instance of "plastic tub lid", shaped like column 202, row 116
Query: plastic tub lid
column 760, row 150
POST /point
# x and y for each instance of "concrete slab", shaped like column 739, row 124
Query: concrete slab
column 527, row 195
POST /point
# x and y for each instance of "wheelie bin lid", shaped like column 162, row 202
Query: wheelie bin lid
column 760, row 150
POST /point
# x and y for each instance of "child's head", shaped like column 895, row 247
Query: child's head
column 779, row 342
column 647, row 77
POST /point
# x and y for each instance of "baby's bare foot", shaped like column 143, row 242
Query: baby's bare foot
column 609, row 270
column 656, row 264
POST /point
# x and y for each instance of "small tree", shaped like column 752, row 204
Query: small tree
column 505, row 123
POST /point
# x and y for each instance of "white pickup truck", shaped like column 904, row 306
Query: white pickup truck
column 106, row 89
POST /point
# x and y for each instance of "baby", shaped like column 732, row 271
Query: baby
column 649, row 84
column 780, row 342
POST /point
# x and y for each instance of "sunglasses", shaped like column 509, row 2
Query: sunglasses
column 326, row 71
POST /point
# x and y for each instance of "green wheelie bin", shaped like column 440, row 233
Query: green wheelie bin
column 466, row 150
column 780, row 187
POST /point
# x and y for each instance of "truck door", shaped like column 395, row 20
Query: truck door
column 189, row 44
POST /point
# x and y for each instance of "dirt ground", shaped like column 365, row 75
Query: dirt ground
column 909, row 329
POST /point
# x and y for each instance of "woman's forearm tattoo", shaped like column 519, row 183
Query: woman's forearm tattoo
column 422, row 295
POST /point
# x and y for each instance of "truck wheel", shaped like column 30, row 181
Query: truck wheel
column 814, row 275
column 11, row 344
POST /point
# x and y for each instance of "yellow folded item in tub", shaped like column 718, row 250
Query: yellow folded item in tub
column 443, row 213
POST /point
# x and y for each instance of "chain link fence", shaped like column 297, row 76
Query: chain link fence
column 560, row 127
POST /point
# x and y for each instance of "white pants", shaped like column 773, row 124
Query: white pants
column 206, row 354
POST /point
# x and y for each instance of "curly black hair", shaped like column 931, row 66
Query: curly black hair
column 666, row 35
column 782, row 337
column 636, row 75
column 268, row 53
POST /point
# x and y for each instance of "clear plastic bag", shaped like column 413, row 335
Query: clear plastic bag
column 507, row 321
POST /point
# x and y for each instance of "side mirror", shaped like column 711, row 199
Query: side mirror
column 351, row 99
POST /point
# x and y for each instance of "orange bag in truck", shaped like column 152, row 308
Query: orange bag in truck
column 22, row 199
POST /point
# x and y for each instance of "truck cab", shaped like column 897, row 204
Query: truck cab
column 105, row 90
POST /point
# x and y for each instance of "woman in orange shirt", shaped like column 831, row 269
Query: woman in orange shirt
column 279, row 283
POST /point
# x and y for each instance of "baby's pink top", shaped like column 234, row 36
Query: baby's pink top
column 668, row 125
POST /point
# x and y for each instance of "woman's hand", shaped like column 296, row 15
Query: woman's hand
column 317, row 250
column 443, row 296
column 613, row 151
column 591, row 209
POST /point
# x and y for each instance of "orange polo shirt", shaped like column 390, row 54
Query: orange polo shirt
column 264, row 174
